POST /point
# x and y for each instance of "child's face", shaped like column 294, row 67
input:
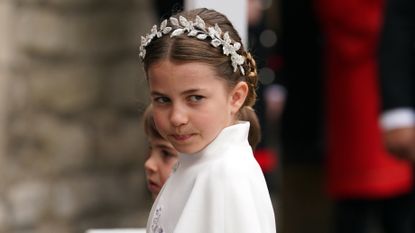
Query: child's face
column 159, row 164
column 190, row 104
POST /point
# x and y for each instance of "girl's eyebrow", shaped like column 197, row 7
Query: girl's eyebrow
column 191, row 91
column 155, row 93
column 187, row 92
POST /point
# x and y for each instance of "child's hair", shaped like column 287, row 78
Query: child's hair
column 254, row 136
column 149, row 127
column 187, row 48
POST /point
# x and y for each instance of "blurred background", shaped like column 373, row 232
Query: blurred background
column 72, row 92
column 72, row 146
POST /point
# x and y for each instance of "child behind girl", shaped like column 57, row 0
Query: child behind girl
column 162, row 157
column 200, row 77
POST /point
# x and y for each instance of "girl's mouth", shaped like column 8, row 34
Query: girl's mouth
column 181, row 138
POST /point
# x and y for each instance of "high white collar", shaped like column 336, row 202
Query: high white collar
column 231, row 135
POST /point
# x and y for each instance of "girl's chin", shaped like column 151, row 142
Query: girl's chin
column 189, row 150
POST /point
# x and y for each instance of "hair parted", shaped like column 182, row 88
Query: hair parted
column 198, row 30
column 185, row 48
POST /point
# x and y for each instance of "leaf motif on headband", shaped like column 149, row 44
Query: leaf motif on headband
column 192, row 33
column 174, row 21
column 202, row 36
column 216, row 43
column 197, row 29
column 177, row 32
column 199, row 22
column 183, row 21
column 163, row 27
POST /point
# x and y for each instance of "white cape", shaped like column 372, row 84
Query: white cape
column 220, row 189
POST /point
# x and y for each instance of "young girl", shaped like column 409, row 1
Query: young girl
column 200, row 77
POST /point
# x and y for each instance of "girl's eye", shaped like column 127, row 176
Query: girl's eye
column 161, row 100
column 196, row 98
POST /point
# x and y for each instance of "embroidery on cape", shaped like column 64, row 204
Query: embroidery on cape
column 155, row 228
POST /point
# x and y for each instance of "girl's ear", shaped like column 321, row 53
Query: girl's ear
column 238, row 96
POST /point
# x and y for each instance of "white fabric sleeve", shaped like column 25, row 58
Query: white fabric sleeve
column 397, row 118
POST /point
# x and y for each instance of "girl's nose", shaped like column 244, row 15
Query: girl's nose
column 178, row 116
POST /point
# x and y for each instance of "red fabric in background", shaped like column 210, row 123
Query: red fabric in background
column 267, row 159
column 358, row 166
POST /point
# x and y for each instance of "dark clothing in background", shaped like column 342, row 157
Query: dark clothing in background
column 166, row 8
column 397, row 63
column 397, row 58
column 305, row 207
column 302, row 122
column 359, row 216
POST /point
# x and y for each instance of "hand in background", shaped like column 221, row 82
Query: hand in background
column 401, row 142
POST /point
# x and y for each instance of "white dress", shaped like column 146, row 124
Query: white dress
column 219, row 189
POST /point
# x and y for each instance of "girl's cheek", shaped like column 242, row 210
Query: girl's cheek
column 161, row 123
column 157, row 117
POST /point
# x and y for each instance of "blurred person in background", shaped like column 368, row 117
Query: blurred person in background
column 397, row 60
column 364, row 181
column 397, row 76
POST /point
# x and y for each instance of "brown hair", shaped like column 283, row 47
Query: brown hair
column 189, row 49
column 149, row 127
column 254, row 136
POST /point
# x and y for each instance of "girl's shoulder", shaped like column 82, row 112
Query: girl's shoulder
column 236, row 166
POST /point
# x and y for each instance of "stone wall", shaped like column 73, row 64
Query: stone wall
column 71, row 94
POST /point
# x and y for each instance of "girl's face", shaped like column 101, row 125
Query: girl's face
column 160, row 162
column 191, row 105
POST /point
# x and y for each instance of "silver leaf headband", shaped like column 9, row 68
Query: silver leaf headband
column 198, row 30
